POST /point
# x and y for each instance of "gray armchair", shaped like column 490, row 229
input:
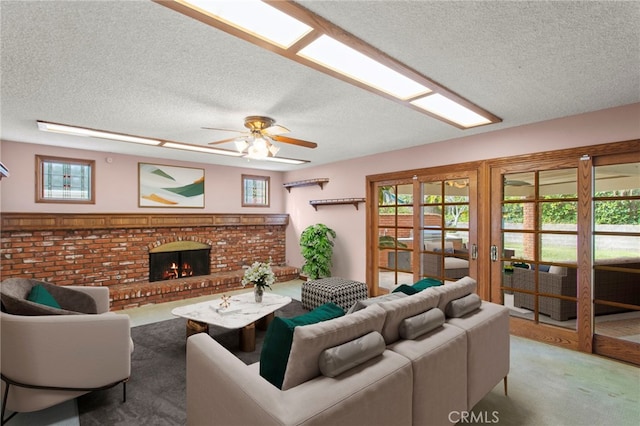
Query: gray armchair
column 49, row 359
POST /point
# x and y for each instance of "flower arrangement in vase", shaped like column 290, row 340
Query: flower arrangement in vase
column 260, row 275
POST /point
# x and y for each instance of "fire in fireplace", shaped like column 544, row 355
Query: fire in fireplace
column 185, row 259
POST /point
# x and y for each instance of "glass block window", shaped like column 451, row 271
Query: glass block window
column 64, row 180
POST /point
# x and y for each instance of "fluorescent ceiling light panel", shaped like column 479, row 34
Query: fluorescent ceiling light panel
column 82, row 131
column 201, row 149
column 254, row 17
column 283, row 160
column 450, row 110
column 332, row 54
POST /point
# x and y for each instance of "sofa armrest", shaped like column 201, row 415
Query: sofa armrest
column 99, row 294
column 66, row 350
column 223, row 389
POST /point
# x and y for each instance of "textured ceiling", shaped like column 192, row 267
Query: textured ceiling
column 137, row 67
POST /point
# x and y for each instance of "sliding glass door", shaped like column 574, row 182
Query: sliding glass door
column 616, row 254
column 565, row 248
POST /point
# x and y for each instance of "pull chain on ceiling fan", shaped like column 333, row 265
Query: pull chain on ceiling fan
column 258, row 142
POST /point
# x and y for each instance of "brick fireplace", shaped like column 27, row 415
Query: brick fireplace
column 114, row 250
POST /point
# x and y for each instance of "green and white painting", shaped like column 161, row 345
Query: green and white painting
column 170, row 186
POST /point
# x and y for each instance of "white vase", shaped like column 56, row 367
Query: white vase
column 257, row 292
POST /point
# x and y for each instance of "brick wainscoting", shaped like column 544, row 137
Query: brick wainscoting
column 113, row 250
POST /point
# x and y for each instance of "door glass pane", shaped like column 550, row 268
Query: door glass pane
column 559, row 216
column 432, row 192
column 519, row 186
column 616, row 278
column 559, row 248
column 554, row 184
column 539, row 236
column 519, row 245
column 457, row 190
column 519, row 216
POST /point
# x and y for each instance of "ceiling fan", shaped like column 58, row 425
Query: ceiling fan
column 258, row 141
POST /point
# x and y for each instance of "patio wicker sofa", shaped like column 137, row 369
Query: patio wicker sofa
column 456, row 263
column 613, row 286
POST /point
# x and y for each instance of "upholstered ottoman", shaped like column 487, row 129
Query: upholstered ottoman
column 340, row 291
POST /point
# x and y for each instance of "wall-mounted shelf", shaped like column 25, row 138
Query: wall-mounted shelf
column 336, row 201
column 308, row 182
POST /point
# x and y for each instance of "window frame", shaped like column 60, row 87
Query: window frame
column 264, row 199
column 41, row 197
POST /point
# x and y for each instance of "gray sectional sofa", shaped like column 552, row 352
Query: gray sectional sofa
column 438, row 353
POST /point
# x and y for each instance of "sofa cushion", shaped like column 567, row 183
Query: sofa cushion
column 417, row 325
column 560, row 270
column 335, row 361
column 310, row 340
column 279, row 338
column 449, row 292
column 361, row 304
column 460, row 307
column 39, row 294
column 398, row 310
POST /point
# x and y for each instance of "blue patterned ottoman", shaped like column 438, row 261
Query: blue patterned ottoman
column 340, row 291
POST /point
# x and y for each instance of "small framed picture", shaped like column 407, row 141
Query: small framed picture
column 255, row 191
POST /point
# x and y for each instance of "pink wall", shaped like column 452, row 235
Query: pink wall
column 348, row 178
column 117, row 181
column 117, row 184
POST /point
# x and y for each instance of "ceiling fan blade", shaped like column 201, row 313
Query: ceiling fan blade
column 275, row 130
column 223, row 141
column 293, row 141
column 224, row 130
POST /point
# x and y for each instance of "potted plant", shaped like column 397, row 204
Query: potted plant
column 260, row 275
column 317, row 248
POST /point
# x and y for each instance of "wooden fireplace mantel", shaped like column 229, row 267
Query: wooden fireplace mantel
column 52, row 221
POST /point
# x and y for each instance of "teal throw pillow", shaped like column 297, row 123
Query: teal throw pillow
column 277, row 341
column 406, row 289
column 426, row 283
column 39, row 294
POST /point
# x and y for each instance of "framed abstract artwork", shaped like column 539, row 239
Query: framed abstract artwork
column 170, row 186
column 255, row 191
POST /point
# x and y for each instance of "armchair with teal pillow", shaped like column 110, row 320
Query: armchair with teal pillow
column 51, row 355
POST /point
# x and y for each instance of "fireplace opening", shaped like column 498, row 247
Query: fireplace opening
column 179, row 260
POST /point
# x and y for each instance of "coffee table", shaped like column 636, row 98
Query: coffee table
column 243, row 313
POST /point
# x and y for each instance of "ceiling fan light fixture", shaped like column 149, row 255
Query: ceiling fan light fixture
column 339, row 57
column 254, row 17
column 273, row 150
column 241, row 144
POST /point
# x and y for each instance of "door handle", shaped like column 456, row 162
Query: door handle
column 494, row 253
column 474, row 251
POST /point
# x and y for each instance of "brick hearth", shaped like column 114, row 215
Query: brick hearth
column 113, row 250
column 125, row 296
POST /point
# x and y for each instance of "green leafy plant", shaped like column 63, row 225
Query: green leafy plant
column 316, row 243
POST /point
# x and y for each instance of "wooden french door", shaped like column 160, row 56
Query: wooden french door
column 565, row 251
column 535, row 214
column 423, row 226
